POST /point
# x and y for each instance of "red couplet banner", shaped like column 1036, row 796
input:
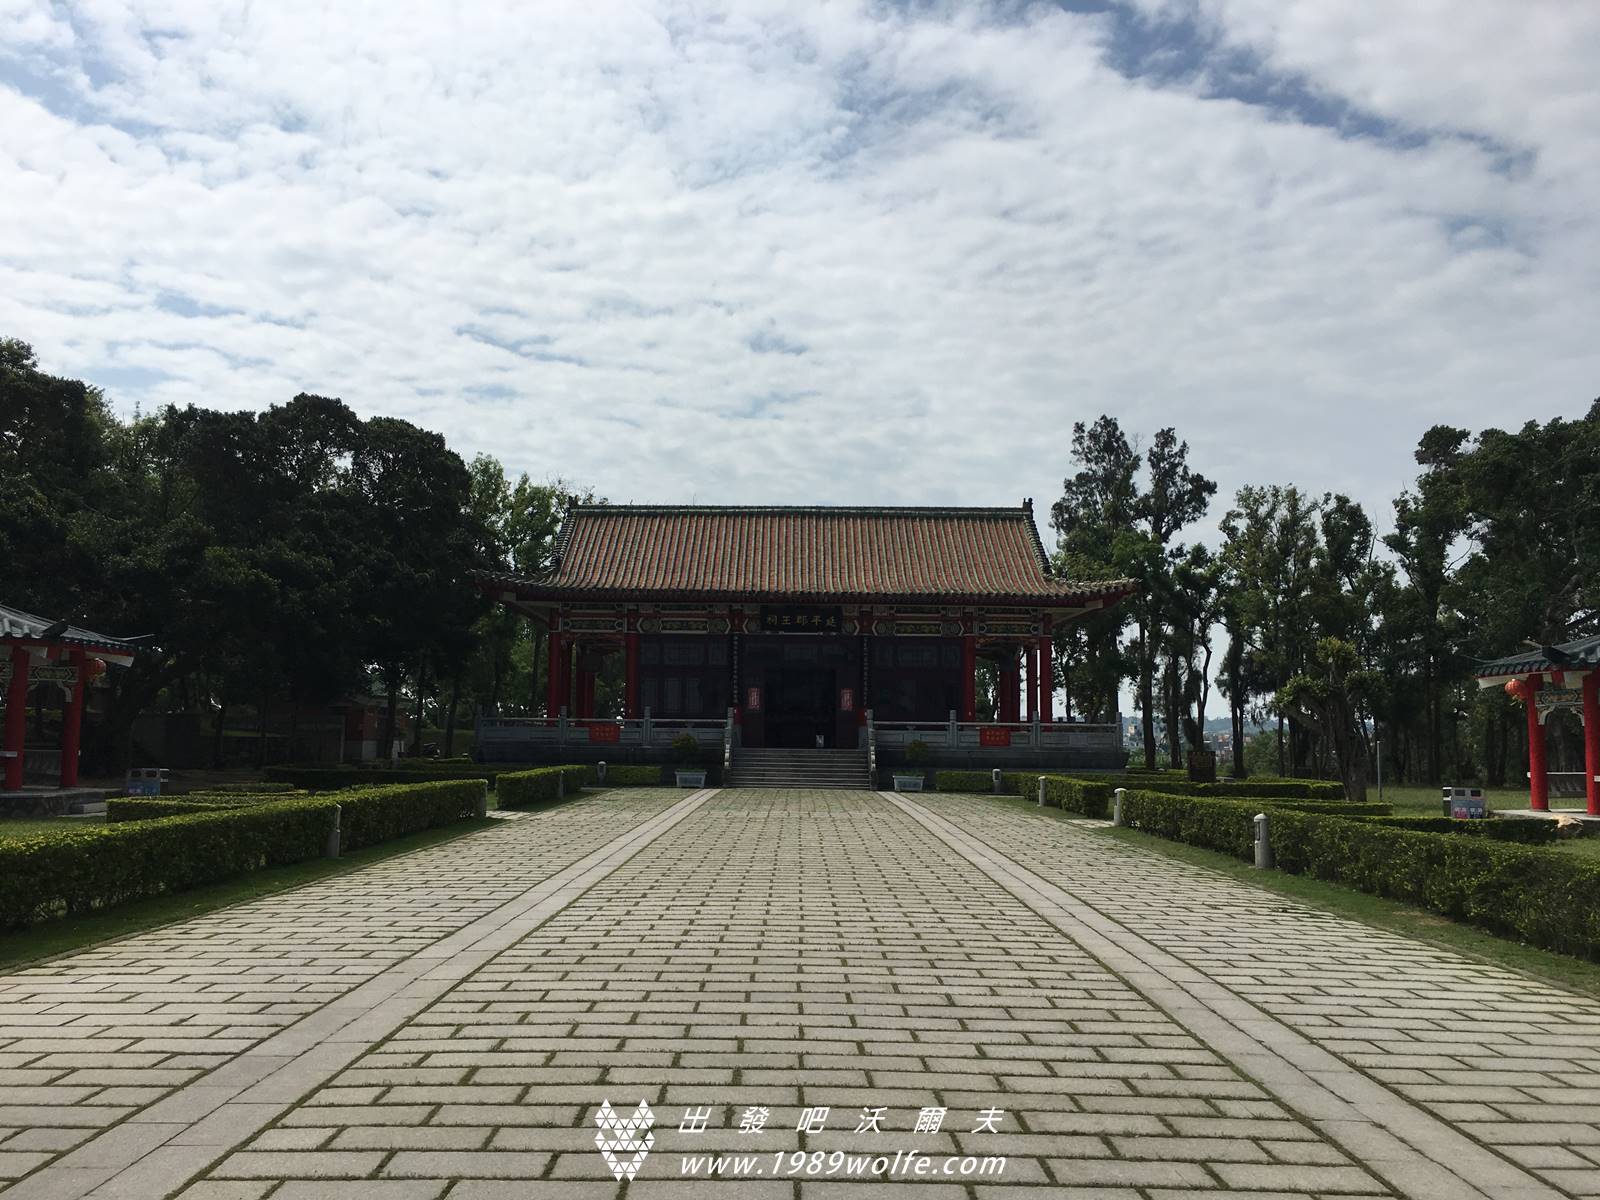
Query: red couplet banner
column 994, row 737
column 605, row 733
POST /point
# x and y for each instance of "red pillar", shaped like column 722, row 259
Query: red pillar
column 1591, row 741
column 553, row 694
column 72, row 723
column 1538, row 777
column 1047, row 675
column 1010, row 702
column 16, row 718
column 1031, row 655
column 630, row 657
column 969, row 677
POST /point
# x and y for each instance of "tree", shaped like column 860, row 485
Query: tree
column 1328, row 698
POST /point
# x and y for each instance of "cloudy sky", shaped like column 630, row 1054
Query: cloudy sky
column 813, row 252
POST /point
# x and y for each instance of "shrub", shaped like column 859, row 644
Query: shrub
column 1011, row 782
column 916, row 752
column 146, row 808
column 1528, row 833
column 254, row 789
column 517, row 789
column 1543, row 898
column 169, row 845
column 1090, row 797
column 371, row 815
column 628, row 775
column 92, row 867
column 325, row 779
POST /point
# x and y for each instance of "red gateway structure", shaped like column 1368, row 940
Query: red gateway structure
column 801, row 628
column 34, row 650
column 1546, row 679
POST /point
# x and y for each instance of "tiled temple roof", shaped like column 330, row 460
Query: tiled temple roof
column 819, row 554
column 19, row 626
column 1581, row 655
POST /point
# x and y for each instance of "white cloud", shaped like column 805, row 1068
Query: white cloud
column 573, row 235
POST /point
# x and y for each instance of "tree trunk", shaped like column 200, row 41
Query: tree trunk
column 217, row 734
column 1236, row 717
column 1147, row 699
column 416, row 720
column 450, row 717
column 390, row 708
column 1282, row 770
column 1174, row 714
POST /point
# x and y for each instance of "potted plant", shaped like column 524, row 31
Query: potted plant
column 911, row 780
column 691, row 771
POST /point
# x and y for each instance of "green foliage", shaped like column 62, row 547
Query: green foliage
column 628, row 775
column 686, row 750
column 518, row 789
column 94, row 867
column 377, row 814
column 145, row 808
column 1091, row 797
column 916, row 752
column 1527, row 833
column 253, row 789
column 321, row 779
column 158, row 845
column 1011, row 782
column 1544, row 898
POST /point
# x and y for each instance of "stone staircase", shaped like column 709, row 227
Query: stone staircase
column 798, row 769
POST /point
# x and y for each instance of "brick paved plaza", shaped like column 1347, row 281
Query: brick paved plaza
column 448, row 1023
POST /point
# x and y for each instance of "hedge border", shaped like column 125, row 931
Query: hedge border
column 1526, row 892
column 91, row 867
column 542, row 785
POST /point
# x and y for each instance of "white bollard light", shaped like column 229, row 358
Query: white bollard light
column 994, row 775
column 1041, row 791
column 330, row 848
column 1116, row 806
column 1263, row 843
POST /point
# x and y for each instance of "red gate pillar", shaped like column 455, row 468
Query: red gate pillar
column 1591, row 741
column 1538, row 772
column 16, row 718
column 1010, row 702
column 72, row 723
column 969, row 677
column 1047, row 674
column 553, row 696
column 1031, row 656
column 630, row 668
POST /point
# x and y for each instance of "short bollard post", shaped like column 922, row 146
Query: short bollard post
column 1263, row 843
column 1116, row 806
column 994, row 777
column 330, row 849
column 561, row 785
column 600, row 771
column 1041, row 791
column 481, row 808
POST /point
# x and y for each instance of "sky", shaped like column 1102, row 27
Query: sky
column 811, row 252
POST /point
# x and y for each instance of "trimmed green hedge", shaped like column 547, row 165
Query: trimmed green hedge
column 327, row 779
column 95, row 866
column 1538, row 896
column 146, row 808
column 1090, row 797
column 982, row 783
column 1527, row 833
column 630, row 775
column 169, row 845
column 253, row 789
column 371, row 815
column 516, row 789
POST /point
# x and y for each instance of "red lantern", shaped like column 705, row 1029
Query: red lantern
column 96, row 668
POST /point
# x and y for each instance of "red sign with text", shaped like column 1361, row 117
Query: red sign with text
column 752, row 700
column 605, row 733
column 994, row 737
column 847, row 699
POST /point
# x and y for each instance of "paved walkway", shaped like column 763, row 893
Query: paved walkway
column 1110, row 1023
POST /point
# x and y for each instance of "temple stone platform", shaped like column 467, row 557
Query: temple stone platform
column 53, row 802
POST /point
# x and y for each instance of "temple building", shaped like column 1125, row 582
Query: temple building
column 801, row 628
